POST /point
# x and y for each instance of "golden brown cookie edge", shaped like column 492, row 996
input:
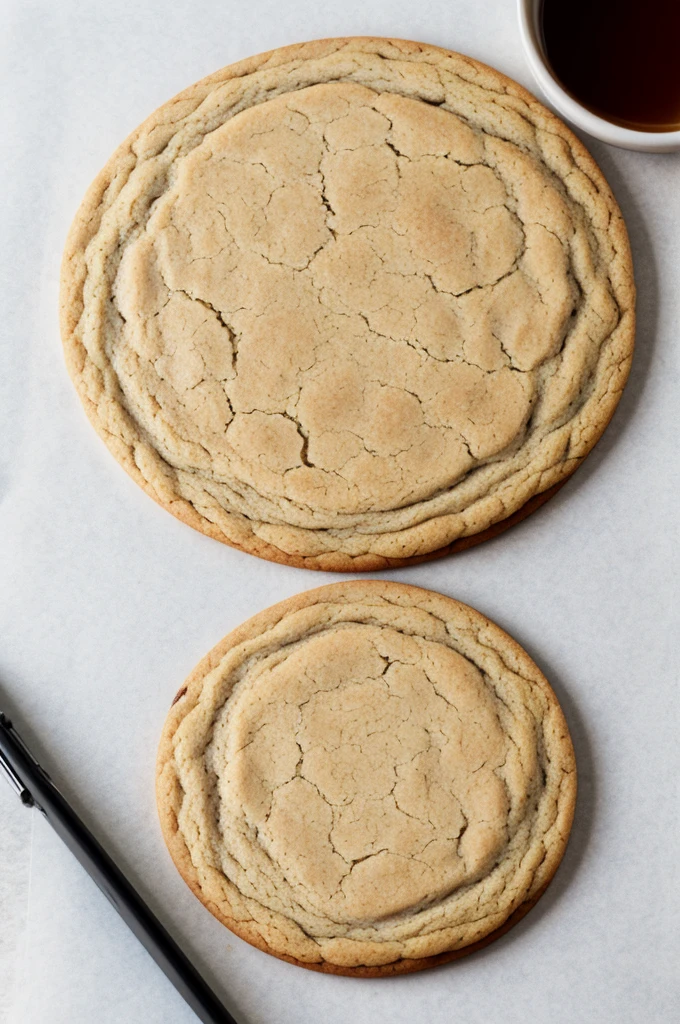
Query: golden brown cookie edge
column 82, row 230
column 186, row 698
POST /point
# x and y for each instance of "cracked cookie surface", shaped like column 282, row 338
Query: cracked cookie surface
column 349, row 303
column 367, row 778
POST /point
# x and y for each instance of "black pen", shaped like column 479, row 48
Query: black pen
column 36, row 789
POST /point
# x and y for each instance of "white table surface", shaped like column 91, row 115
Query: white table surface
column 107, row 602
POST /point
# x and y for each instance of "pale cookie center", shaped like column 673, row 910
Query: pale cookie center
column 370, row 769
column 336, row 304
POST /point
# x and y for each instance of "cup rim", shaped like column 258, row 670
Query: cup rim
column 599, row 127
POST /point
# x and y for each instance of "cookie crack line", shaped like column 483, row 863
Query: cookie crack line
column 469, row 260
column 369, row 773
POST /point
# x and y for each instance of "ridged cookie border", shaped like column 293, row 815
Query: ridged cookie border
column 168, row 788
column 85, row 226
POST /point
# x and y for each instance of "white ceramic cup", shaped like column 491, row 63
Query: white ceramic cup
column 614, row 134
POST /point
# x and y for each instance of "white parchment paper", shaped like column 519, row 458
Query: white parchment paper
column 107, row 602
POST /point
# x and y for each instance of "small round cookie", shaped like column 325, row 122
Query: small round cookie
column 367, row 779
column 350, row 304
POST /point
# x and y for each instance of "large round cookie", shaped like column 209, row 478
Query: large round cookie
column 349, row 303
column 367, row 779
